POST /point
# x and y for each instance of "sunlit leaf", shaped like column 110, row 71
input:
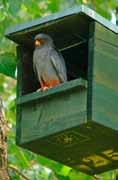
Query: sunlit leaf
column 8, row 64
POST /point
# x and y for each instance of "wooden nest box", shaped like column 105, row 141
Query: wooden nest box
column 75, row 123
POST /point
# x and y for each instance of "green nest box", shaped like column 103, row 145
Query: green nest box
column 75, row 123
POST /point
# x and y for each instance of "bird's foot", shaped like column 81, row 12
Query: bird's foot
column 42, row 89
column 39, row 90
column 45, row 88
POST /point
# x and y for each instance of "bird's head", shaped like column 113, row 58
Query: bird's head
column 43, row 40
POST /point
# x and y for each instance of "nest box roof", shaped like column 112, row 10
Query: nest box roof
column 62, row 26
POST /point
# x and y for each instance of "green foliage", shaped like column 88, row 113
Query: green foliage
column 14, row 12
column 8, row 64
column 103, row 7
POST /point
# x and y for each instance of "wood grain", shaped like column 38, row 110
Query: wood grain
column 105, row 78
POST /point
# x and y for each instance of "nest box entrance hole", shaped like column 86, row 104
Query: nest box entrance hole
column 75, row 56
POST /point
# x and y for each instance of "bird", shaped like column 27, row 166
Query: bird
column 48, row 64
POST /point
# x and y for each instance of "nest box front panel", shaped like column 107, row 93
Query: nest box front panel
column 52, row 113
column 105, row 78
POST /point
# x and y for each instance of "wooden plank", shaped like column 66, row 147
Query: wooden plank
column 105, row 106
column 106, row 64
column 106, row 35
column 19, row 71
column 90, row 70
column 19, row 92
column 41, row 21
column 71, row 32
column 98, row 158
column 76, row 10
column 105, row 86
column 59, row 89
column 55, row 113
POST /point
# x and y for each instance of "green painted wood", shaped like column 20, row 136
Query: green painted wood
column 71, row 32
column 90, row 69
column 52, row 114
column 19, row 89
column 58, row 16
column 106, row 35
column 105, row 86
column 105, row 108
column 106, row 64
column 19, row 73
column 67, row 86
column 28, row 81
column 78, row 148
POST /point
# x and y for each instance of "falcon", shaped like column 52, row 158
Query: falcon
column 49, row 65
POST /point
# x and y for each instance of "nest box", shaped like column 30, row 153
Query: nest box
column 75, row 123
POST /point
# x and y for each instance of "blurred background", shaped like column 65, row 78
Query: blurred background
column 13, row 12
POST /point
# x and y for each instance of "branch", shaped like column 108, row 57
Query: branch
column 13, row 168
column 3, row 145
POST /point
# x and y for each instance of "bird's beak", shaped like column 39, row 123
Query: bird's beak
column 37, row 43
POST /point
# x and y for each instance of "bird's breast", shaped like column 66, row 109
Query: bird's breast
column 41, row 60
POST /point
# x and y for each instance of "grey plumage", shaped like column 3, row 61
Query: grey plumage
column 47, row 62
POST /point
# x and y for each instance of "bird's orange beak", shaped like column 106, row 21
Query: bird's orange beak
column 37, row 43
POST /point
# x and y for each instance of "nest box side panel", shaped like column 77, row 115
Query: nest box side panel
column 105, row 77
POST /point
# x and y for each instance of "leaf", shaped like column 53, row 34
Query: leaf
column 8, row 64
column 14, row 7
column 74, row 174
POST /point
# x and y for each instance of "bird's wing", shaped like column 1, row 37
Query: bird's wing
column 59, row 65
column 34, row 63
column 36, row 66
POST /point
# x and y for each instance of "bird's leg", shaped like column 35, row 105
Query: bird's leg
column 40, row 87
column 48, row 84
column 43, row 86
column 38, row 90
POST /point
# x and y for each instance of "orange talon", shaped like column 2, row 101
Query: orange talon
column 45, row 88
column 48, row 84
